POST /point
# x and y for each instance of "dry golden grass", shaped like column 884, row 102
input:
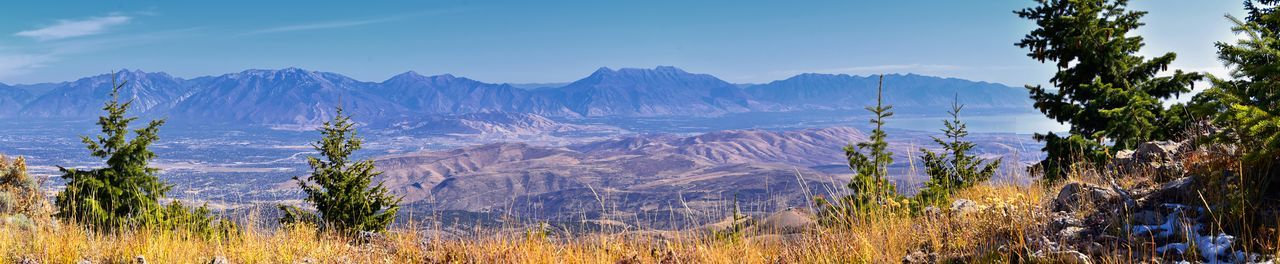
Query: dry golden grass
column 1008, row 212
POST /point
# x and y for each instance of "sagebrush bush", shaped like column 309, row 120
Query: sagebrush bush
column 19, row 192
column 8, row 203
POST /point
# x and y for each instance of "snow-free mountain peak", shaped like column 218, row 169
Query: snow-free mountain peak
column 295, row 95
column 149, row 92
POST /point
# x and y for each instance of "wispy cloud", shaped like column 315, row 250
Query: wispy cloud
column 322, row 25
column 346, row 23
column 19, row 64
column 75, row 28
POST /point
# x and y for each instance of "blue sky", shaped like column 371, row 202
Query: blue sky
column 544, row 41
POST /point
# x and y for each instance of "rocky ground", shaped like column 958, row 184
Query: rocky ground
column 1145, row 207
column 1161, row 216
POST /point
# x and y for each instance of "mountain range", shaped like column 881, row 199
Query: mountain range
column 298, row 96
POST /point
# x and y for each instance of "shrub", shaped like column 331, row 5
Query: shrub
column 292, row 215
column 196, row 221
column 19, row 192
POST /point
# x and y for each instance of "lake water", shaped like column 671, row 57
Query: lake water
column 1026, row 123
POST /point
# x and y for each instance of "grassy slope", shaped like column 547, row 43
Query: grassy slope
column 1010, row 211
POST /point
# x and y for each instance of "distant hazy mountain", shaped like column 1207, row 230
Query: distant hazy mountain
column 447, row 94
column 288, row 96
column 663, row 91
column 297, row 96
column 909, row 92
column 38, row 88
column 537, row 86
column 149, row 92
column 12, row 99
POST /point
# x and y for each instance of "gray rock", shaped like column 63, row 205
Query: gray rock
column 1042, row 242
column 932, row 211
column 1074, row 195
column 219, row 260
column 1124, row 154
column 1147, row 217
column 1095, row 248
column 1065, row 256
column 1158, row 156
column 1071, row 233
column 1060, row 220
column 1222, row 149
column 370, row 237
column 1123, row 158
column 964, row 206
column 919, row 257
column 1178, row 185
column 1157, row 151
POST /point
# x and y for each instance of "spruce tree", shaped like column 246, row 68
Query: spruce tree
column 342, row 190
column 1105, row 91
column 126, row 192
column 1245, row 110
column 954, row 168
column 871, row 190
column 1247, row 106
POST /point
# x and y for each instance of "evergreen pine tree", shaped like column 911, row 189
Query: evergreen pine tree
column 340, row 189
column 126, row 193
column 1247, row 106
column 1245, row 110
column 954, row 169
column 870, row 187
column 1105, row 91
